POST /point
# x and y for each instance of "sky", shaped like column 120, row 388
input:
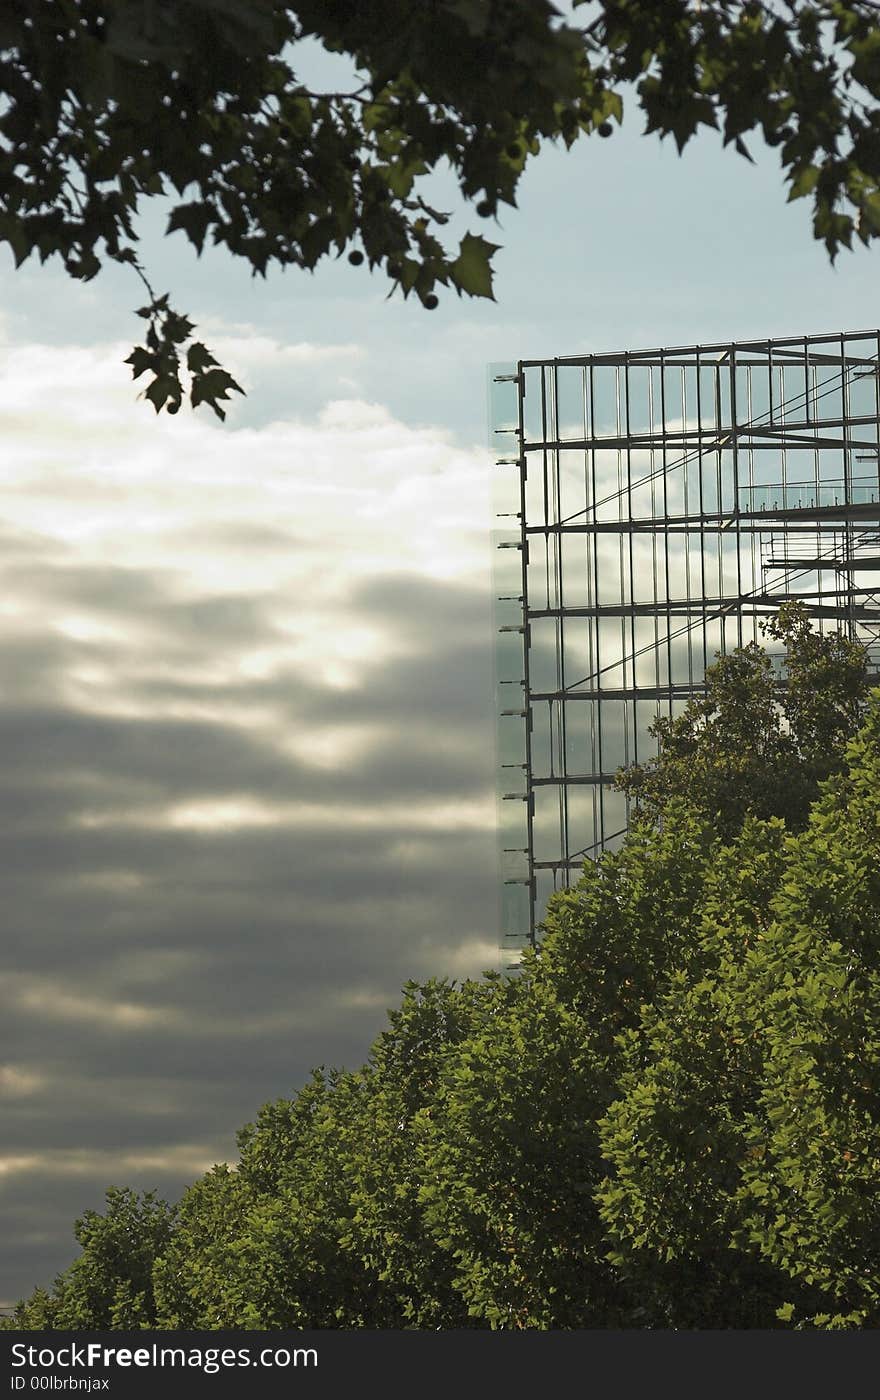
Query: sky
column 246, row 697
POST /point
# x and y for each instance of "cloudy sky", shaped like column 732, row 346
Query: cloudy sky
column 246, row 689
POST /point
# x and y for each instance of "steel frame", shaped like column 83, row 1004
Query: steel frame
column 658, row 505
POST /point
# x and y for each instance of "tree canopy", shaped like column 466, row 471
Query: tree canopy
column 105, row 106
column 669, row 1118
column 770, row 728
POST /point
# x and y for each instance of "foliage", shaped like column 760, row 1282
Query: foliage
column 110, row 1284
column 321, row 1225
column 669, row 1119
column 761, row 741
column 511, row 1153
column 106, row 106
column 747, row 1127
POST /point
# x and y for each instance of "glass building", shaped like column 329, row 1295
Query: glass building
column 652, row 506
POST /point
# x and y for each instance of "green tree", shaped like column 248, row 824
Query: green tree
column 108, row 105
column 747, row 1131
column 675, row 1121
column 321, row 1224
column 511, row 1155
column 762, row 739
column 110, row 1284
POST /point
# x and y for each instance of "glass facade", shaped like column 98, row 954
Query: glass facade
column 651, row 507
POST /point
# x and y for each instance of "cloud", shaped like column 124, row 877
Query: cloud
column 246, row 740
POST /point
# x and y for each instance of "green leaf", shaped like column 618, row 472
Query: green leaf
column 804, row 182
column 472, row 270
column 614, row 105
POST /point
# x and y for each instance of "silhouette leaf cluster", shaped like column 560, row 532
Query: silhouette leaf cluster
column 106, row 106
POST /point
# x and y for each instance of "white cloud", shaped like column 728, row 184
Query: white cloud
column 245, row 813
column 47, row 997
column 18, row 1081
column 95, row 479
column 188, row 1159
column 250, row 345
column 89, row 466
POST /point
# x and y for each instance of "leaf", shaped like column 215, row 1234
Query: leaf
column 194, row 219
column 870, row 213
column 164, row 387
column 12, row 231
column 177, row 328
column 472, row 271
column 804, row 182
column 199, row 358
column 140, row 360
column 211, row 386
column 614, row 105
